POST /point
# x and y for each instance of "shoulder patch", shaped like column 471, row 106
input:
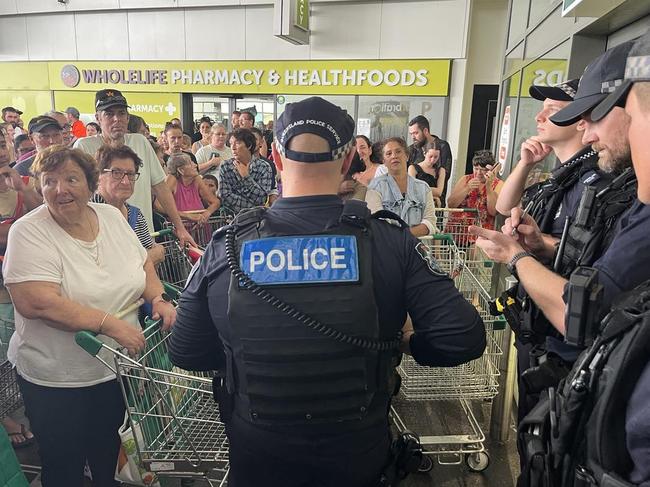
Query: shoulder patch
column 429, row 260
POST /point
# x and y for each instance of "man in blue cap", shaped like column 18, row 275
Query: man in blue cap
column 301, row 305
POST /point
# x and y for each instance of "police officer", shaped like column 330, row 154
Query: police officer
column 595, row 431
column 302, row 305
column 549, row 203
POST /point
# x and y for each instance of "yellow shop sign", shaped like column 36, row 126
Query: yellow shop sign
column 371, row 77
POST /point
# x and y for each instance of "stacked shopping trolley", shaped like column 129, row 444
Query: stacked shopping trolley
column 446, row 393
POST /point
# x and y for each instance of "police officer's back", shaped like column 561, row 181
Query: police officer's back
column 302, row 305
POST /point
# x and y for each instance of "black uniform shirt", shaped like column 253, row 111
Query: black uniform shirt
column 448, row 330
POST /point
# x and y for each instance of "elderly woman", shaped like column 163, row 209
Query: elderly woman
column 478, row 191
column 119, row 169
column 430, row 171
column 402, row 194
column 212, row 155
column 72, row 265
column 189, row 190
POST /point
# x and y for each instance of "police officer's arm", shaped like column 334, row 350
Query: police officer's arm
column 544, row 286
column 447, row 330
column 194, row 343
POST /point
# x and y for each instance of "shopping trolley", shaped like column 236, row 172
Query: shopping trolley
column 202, row 232
column 176, row 266
column 176, row 426
column 456, row 222
column 10, row 398
column 428, row 391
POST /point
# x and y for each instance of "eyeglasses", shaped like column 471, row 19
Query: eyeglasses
column 118, row 174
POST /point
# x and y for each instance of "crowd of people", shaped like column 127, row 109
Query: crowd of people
column 78, row 203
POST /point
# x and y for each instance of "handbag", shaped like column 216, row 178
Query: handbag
column 129, row 469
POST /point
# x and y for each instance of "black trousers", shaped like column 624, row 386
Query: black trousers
column 260, row 457
column 72, row 426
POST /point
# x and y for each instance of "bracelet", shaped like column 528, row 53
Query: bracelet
column 99, row 330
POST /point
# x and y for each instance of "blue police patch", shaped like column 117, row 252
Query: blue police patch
column 299, row 260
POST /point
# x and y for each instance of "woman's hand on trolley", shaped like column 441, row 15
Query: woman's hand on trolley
column 124, row 333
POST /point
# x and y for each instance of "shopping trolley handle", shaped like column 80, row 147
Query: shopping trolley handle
column 88, row 340
column 163, row 232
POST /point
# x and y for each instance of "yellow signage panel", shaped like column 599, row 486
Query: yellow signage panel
column 543, row 72
column 24, row 76
column 155, row 108
column 31, row 103
column 423, row 77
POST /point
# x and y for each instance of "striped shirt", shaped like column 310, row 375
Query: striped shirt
column 141, row 229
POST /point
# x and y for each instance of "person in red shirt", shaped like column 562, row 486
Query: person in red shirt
column 78, row 127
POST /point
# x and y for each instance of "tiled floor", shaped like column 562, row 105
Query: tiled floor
column 436, row 418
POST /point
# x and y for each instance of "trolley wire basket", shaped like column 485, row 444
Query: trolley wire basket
column 202, row 232
column 456, row 222
column 10, row 398
column 176, row 266
column 436, row 389
column 176, row 424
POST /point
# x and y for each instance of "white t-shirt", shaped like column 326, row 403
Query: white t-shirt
column 39, row 249
column 204, row 154
column 151, row 172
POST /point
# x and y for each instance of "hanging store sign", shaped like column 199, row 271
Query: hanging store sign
column 291, row 21
column 368, row 77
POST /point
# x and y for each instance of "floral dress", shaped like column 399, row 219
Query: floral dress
column 476, row 200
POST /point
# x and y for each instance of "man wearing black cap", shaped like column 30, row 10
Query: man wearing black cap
column 44, row 131
column 11, row 115
column 113, row 117
column 558, row 197
column 302, row 304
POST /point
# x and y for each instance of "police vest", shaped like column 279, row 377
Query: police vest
column 594, row 226
column 303, row 311
column 576, row 437
column 546, row 197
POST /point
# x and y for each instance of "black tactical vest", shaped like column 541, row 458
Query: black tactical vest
column 593, row 227
column 576, row 437
column 309, row 353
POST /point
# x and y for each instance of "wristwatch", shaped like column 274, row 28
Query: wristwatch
column 512, row 265
column 161, row 297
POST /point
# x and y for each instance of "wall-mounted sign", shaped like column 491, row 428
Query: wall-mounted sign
column 504, row 139
column 543, row 72
column 368, row 77
column 291, row 21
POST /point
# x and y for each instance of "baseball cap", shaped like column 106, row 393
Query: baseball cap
column 319, row 117
column 109, row 98
column 600, row 78
column 11, row 109
column 565, row 91
column 637, row 68
column 41, row 122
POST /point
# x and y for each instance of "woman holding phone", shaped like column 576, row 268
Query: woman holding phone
column 210, row 157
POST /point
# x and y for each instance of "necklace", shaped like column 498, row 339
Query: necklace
column 91, row 247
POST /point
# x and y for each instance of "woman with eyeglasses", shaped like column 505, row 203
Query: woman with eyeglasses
column 118, row 172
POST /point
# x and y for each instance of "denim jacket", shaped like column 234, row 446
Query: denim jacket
column 409, row 207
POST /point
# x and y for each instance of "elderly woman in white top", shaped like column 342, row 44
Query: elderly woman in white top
column 72, row 265
column 402, row 194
